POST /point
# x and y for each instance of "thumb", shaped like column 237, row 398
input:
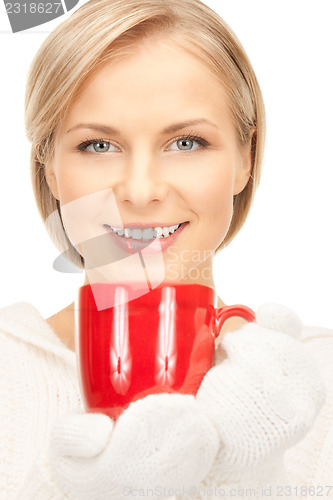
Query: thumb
column 280, row 318
column 80, row 435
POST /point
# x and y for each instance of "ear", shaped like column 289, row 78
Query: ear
column 51, row 179
column 245, row 167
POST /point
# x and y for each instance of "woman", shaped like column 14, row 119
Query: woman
column 150, row 113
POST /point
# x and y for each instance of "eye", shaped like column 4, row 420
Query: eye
column 99, row 147
column 96, row 146
column 185, row 144
column 188, row 143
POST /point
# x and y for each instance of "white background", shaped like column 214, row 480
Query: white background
column 284, row 253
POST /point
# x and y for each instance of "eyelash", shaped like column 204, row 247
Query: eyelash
column 189, row 137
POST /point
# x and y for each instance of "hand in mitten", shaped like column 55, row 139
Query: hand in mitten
column 264, row 396
column 162, row 442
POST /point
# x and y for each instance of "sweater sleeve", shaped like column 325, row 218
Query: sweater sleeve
column 38, row 383
column 39, row 484
column 310, row 462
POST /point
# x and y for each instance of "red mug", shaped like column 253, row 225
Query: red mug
column 161, row 341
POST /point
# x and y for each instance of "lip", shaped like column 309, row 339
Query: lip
column 130, row 245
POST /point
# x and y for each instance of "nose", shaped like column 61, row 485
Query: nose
column 142, row 182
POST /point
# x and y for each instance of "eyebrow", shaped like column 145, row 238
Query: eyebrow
column 172, row 128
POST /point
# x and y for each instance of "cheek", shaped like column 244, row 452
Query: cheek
column 75, row 179
column 218, row 214
column 71, row 186
column 213, row 204
column 213, row 194
column 82, row 202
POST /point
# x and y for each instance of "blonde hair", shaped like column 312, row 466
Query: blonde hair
column 103, row 30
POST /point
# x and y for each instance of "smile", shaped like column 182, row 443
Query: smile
column 147, row 233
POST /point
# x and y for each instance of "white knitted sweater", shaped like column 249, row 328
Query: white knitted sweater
column 39, row 383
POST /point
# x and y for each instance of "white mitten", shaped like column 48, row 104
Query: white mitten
column 162, row 442
column 263, row 398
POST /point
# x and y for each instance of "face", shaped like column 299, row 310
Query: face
column 150, row 143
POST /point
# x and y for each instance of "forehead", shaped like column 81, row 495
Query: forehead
column 159, row 80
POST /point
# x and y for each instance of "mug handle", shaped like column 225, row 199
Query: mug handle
column 238, row 310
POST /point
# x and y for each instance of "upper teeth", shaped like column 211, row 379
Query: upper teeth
column 147, row 233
